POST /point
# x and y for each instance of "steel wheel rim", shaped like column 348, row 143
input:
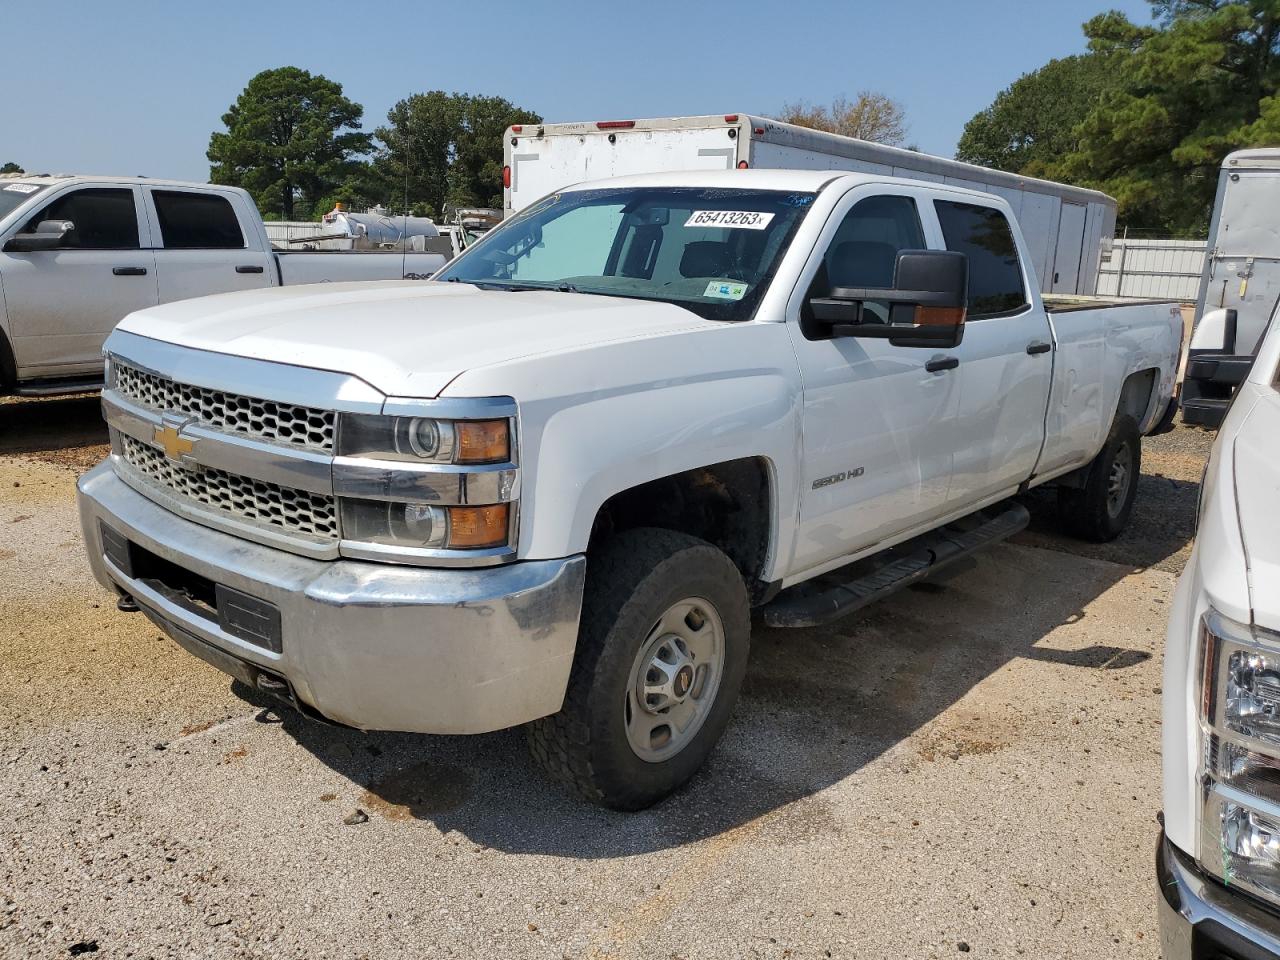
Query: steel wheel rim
column 674, row 680
column 1118, row 480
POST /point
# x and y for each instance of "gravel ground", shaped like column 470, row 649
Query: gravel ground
column 963, row 768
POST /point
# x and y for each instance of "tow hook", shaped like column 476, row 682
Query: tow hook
column 126, row 604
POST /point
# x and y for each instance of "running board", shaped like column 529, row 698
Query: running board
column 57, row 388
column 843, row 591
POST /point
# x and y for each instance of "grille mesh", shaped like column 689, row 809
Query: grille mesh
column 262, row 419
column 294, row 511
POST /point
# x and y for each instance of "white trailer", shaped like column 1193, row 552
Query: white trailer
column 1067, row 228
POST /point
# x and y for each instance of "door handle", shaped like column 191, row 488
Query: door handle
column 129, row 271
column 249, row 268
column 1038, row 346
column 938, row 364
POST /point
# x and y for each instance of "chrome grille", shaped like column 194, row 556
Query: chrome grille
column 294, row 511
column 262, row 419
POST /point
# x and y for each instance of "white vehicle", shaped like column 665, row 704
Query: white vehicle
column 1066, row 228
column 1218, row 864
column 79, row 253
column 1240, row 286
column 550, row 488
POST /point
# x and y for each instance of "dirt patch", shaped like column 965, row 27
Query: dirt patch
column 193, row 728
column 419, row 792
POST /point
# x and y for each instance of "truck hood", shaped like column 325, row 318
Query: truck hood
column 406, row 338
column 1257, row 489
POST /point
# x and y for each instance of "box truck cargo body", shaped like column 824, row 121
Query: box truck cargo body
column 1067, row 228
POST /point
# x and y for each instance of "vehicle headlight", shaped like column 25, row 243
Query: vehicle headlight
column 429, row 439
column 1240, row 756
column 422, row 484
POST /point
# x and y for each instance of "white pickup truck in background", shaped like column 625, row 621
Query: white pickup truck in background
column 550, row 488
column 79, row 253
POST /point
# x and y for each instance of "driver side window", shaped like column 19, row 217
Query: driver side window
column 864, row 251
column 104, row 218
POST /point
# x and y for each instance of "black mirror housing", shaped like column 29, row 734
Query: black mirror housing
column 48, row 235
column 933, row 286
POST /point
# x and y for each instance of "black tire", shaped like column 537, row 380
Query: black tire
column 1092, row 512
column 631, row 582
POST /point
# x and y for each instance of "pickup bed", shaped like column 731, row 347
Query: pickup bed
column 79, row 253
column 551, row 487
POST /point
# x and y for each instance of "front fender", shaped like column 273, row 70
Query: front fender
column 596, row 422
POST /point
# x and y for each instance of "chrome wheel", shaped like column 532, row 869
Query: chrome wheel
column 1118, row 480
column 674, row 679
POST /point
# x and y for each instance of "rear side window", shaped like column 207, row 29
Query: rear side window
column 197, row 221
column 995, row 276
column 105, row 219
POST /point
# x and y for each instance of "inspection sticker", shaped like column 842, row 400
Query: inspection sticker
column 737, row 219
column 725, row 290
column 22, row 187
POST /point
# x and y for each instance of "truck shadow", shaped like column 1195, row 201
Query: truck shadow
column 67, row 430
column 817, row 706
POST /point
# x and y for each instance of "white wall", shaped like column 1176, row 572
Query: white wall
column 1163, row 269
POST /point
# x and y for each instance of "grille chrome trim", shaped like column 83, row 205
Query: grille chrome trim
column 255, row 502
column 283, row 423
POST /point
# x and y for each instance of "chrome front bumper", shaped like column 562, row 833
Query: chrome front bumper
column 370, row 645
column 1202, row 919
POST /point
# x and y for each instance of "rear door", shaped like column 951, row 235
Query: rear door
column 1006, row 356
column 62, row 303
column 1069, row 250
column 201, row 246
column 878, row 427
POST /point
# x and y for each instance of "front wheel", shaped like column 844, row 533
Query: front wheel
column 1100, row 510
column 662, row 650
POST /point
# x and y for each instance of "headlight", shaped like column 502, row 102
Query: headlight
column 424, row 525
column 425, row 439
column 1240, row 756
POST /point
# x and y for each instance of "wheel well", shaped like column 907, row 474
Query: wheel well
column 1135, row 395
column 727, row 504
column 8, row 364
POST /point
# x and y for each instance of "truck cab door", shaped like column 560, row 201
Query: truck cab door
column 62, row 302
column 1006, row 357
column 877, row 421
column 202, row 247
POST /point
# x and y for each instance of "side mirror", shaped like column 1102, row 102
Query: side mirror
column 48, row 235
column 930, row 292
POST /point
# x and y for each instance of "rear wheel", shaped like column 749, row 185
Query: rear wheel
column 662, row 650
column 1100, row 510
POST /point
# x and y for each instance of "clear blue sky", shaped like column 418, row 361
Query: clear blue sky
column 136, row 87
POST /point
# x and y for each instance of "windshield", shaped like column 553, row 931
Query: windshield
column 14, row 195
column 710, row 251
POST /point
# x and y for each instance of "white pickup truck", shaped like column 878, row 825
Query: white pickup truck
column 79, row 253
column 1218, row 862
column 550, row 488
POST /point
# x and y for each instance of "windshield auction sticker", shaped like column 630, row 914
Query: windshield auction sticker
column 725, row 290
column 737, row 219
column 22, row 187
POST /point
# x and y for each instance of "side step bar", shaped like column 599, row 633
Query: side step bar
column 57, row 388
column 841, row 592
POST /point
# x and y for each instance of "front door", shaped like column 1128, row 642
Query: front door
column 62, row 303
column 877, row 453
column 200, row 246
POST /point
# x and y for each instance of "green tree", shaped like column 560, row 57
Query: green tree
column 1199, row 84
column 11, row 167
column 291, row 137
column 1031, row 123
column 440, row 148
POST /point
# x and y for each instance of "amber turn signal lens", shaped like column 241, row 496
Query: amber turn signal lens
column 482, row 441
column 475, row 527
column 939, row 316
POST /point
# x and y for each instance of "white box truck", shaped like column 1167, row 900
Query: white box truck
column 1067, row 228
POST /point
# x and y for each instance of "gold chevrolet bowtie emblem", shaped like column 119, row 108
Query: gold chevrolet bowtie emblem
column 175, row 446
